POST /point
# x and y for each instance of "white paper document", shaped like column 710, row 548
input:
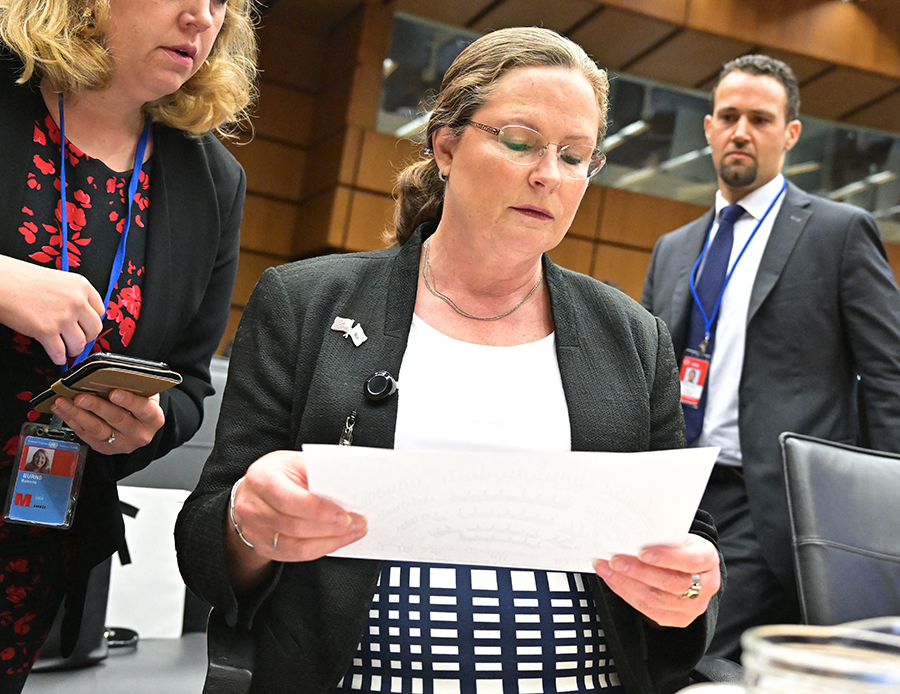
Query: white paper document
column 553, row 511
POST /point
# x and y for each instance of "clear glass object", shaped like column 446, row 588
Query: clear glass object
column 858, row 658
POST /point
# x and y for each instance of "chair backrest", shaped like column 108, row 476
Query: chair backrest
column 181, row 467
column 844, row 505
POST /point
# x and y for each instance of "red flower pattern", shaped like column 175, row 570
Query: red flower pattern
column 126, row 330
column 21, row 627
column 14, row 594
column 83, row 198
column 18, row 565
column 45, row 167
column 29, row 231
column 125, row 306
column 130, row 298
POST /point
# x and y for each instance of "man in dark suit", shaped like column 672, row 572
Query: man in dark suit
column 800, row 332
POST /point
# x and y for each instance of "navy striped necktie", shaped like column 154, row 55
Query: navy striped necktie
column 709, row 286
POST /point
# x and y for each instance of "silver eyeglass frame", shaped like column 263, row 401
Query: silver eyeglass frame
column 543, row 150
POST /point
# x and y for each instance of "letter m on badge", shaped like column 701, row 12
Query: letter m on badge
column 22, row 499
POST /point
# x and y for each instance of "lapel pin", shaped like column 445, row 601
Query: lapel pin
column 354, row 332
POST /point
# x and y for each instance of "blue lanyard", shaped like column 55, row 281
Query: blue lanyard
column 709, row 320
column 132, row 190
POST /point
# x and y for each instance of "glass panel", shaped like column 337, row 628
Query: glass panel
column 655, row 140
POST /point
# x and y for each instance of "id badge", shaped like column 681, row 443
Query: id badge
column 694, row 367
column 46, row 478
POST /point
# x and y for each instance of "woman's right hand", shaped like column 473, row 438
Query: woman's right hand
column 61, row 310
column 274, row 498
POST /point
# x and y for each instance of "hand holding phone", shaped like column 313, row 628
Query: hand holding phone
column 103, row 372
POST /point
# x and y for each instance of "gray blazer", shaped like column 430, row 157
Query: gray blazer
column 824, row 309
column 293, row 380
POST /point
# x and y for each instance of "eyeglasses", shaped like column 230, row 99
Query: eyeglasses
column 525, row 146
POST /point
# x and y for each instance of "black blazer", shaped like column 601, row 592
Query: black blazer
column 293, row 380
column 824, row 309
column 196, row 196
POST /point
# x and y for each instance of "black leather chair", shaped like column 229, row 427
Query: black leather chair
column 231, row 658
column 845, row 522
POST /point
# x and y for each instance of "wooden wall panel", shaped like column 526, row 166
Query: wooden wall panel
column 323, row 222
column 881, row 115
column 804, row 67
column 374, row 41
column 624, row 267
column 453, row 12
column 638, row 220
column 675, row 11
column 601, row 36
column 342, row 45
column 370, row 216
column 272, row 168
column 332, row 105
column 284, row 114
column 893, row 251
column 841, row 91
column 366, row 95
column 585, row 223
column 268, row 226
column 250, row 267
column 574, row 253
column 688, row 58
column 332, row 160
column 862, row 35
column 292, row 58
column 381, row 158
column 558, row 16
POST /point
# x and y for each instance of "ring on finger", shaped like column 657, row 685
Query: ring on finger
column 275, row 542
column 112, row 436
column 694, row 591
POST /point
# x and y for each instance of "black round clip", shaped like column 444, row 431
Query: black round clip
column 379, row 386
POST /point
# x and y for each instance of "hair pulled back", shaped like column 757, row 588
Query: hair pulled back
column 467, row 85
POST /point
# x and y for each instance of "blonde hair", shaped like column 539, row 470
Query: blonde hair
column 466, row 86
column 62, row 41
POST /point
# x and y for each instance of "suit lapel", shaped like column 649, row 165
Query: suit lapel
column 20, row 108
column 682, row 301
column 158, row 283
column 789, row 224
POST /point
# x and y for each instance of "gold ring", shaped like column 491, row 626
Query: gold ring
column 275, row 542
column 694, row 590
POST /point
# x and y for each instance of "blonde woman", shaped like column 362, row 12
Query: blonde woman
column 135, row 253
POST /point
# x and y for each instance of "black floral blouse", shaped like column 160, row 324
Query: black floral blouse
column 96, row 210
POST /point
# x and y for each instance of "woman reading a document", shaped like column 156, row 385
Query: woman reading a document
column 496, row 349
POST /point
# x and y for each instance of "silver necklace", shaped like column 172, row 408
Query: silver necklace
column 443, row 297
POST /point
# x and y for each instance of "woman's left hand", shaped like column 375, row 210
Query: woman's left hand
column 659, row 582
column 121, row 424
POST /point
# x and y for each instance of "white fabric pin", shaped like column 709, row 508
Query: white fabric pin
column 354, row 332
